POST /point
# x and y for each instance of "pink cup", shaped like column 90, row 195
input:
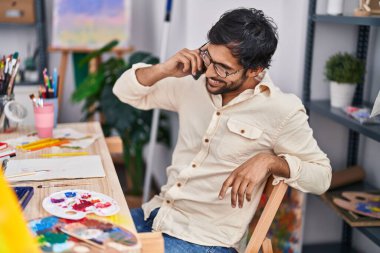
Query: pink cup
column 44, row 120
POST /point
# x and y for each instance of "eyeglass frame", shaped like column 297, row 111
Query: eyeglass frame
column 206, row 53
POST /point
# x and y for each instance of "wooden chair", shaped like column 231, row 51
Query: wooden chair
column 258, row 239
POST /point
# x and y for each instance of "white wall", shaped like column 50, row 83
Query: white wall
column 191, row 19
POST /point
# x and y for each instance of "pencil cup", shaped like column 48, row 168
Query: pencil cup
column 44, row 120
column 53, row 101
column 6, row 125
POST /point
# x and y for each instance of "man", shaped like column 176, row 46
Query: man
column 236, row 129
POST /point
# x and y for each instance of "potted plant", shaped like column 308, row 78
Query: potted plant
column 344, row 71
column 131, row 124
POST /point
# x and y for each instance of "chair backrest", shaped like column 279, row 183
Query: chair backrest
column 276, row 194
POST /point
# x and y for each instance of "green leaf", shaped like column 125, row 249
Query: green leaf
column 344, row 68
column 91, row 86
column 98, row 52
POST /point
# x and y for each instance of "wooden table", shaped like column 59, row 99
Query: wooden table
column 108, row 185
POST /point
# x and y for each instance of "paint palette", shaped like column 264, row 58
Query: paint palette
column 360, row 202
column 76, row 204
column 86, row 235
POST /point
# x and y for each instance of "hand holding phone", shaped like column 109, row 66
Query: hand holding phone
column 199, row 73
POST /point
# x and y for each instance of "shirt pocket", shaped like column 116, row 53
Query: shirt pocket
column 240, row 141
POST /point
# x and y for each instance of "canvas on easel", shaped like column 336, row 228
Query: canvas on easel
column 82, row 26
column 90, row 24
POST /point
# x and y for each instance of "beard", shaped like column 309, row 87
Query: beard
column 223, row 87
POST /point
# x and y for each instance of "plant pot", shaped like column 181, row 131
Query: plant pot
column 341, row 94
column 335, row 7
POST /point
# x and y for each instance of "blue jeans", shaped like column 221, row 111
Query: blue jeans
column 172, row 244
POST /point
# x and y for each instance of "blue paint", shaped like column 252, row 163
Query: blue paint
column 45, row 223
column 363, row 207
column 70, row 194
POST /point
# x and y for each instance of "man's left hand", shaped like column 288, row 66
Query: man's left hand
column 245, row 177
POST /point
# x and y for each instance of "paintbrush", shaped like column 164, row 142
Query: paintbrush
column 27, row 173
column 97, row 245
column 60, row 185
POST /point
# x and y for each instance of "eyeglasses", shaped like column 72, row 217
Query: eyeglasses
column 219, row 69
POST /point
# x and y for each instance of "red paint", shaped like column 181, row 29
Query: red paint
column 86, row 196
column 82, row 205
column 102, row 205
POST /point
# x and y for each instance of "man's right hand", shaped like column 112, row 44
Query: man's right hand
column 183, row 63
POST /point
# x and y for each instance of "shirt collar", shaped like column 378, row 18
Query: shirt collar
column 265, row 87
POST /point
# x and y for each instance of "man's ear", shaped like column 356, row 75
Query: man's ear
column 254, row 72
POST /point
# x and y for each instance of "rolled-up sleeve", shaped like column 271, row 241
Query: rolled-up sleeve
column 161, row 95
column 310, row 169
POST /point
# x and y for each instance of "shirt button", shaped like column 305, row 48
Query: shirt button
column 193, row 165
column 206, row 140
column 242, row 131
column 168, row 201
column 217, row 113
column 179, row 184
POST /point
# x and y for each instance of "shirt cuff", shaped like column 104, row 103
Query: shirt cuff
column 137, row 86
column 294, row 164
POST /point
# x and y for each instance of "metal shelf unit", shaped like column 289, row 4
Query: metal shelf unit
column 323, row 107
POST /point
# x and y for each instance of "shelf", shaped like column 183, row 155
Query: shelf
column 348, row 20
column 16, row 25
column 373, row 233
column 325, row 248
column 338, row 115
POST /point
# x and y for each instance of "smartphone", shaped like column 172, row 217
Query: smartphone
column 199, row 73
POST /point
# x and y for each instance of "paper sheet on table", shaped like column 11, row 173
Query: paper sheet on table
column 59, row 168
column 78, row 139
column 376, row 106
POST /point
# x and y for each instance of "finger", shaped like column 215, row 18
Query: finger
column 241, row 192
column 249, row 191
column 227, row 183
column 185, row 61
column 200, row 63
column 235, row 188
column 193, row 60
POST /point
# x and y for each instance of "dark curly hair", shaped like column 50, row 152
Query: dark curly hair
column 249, row 34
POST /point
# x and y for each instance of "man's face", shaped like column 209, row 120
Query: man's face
column 224, row 74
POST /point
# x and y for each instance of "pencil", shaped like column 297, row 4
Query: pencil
column 35, row 143
column 27, row 173
column 64, row 154
column 52, row 144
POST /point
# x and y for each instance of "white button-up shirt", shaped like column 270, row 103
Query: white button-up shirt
column 213, row 140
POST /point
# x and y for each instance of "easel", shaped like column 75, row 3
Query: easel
column 93, row 66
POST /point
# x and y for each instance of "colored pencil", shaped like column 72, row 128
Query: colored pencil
column 64, row 154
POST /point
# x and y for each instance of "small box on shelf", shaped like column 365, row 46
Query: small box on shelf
column 17, row 11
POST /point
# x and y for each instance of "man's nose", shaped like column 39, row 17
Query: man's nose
column 210, row 71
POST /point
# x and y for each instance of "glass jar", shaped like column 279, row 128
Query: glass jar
column 6, row 125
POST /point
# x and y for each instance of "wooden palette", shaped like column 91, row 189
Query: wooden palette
column 360, row 202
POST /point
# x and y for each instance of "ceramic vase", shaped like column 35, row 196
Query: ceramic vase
column 335, row 7
column 341, row 94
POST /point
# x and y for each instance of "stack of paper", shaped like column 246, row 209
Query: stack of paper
column 54, row 168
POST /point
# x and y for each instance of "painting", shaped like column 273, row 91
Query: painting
column 286, row 229
column 90, row 23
